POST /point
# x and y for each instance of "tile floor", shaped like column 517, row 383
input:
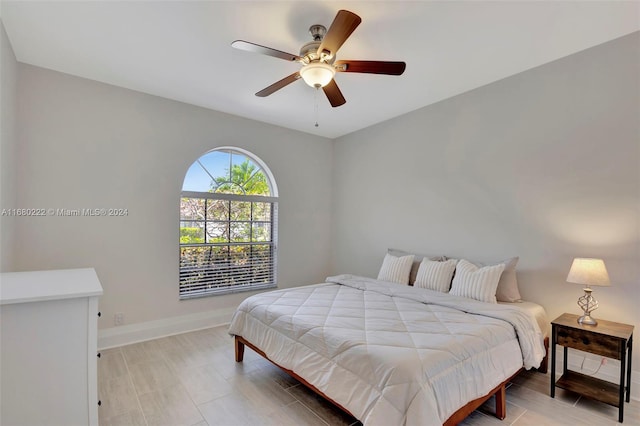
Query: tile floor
column 192, row 379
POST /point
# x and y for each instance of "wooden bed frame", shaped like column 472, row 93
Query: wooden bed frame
column 462, row 413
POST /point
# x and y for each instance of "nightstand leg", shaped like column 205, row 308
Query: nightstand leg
column 564, row 360
column 553, row 362
column 629, row 353
column 623, row 376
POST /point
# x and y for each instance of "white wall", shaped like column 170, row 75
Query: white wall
column 8, row 148
column 544, row 165
column 91, row 145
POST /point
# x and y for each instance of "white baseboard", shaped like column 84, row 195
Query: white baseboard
column 609, row 371
column 140, row 332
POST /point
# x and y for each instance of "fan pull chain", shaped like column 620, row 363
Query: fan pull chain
column 315, row 107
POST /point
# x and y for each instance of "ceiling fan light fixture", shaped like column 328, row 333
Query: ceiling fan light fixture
column 317, row 74
column 318, row 59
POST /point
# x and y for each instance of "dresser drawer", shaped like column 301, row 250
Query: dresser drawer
column 595, row 343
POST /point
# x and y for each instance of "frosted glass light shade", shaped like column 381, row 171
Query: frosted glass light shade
column 317, row 74
column 588, row 272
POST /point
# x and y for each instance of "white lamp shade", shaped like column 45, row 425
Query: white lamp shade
column 588, row 272
column 317, row 74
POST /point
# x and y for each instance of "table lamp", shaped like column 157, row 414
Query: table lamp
column 588, row 272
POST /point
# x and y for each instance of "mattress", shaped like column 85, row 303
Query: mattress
column 534, row 310
column 391, row 354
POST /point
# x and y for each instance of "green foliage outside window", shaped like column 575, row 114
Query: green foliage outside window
column 223, row 221
column 191, row 235
column 245, row 178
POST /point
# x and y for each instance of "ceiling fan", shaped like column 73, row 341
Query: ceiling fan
column 318, row 59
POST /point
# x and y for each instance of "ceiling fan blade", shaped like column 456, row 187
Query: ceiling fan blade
column 341, row 28
column 278, row 85
column 256, row 48
column 334, row 94
column 371, row 67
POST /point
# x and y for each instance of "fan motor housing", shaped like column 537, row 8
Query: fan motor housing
column 309, row 52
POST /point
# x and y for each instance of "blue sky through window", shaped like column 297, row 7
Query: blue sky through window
column 197, row 179
column 216, row 163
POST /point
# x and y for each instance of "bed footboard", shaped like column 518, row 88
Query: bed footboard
column 499, row 391
column 240, row 343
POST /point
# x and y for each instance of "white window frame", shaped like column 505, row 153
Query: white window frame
column 207, row 284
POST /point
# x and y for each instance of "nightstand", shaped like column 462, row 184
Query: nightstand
column 609, row 339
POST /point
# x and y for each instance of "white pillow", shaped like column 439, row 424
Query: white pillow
column 416, row 261
column 476, row 283
column 396, row 269
column 508, row 285
column 435, row 275
column 508, row 290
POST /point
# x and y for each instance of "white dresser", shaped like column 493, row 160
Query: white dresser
column 48, row 347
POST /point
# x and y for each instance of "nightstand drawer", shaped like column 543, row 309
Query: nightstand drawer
column 599, row 344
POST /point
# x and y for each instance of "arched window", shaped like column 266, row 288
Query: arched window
column 228, row 225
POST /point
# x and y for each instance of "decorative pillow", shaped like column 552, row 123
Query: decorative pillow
column 508, row 290
column 435, row 275
column 476, row 283
column 416, row 261
column 508, row 285
column 396, row 269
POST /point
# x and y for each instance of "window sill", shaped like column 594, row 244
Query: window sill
column 227, row 290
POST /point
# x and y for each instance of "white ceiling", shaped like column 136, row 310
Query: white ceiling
column 181, row 49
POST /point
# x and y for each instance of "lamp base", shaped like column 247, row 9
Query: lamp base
column 587, row 320
column 588, row 304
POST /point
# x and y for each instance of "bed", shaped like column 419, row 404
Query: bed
column 390, row 354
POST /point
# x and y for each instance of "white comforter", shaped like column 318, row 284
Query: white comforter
column 390, row 354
